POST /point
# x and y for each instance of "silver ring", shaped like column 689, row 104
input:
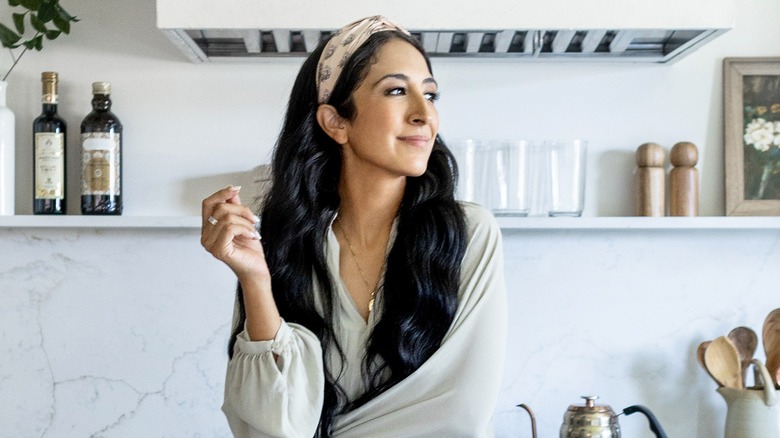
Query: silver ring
column 212, row 220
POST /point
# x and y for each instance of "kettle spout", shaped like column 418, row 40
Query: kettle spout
column 533, row 419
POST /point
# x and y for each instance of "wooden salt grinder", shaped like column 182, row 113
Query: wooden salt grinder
column 650, row 180
column 684, row 180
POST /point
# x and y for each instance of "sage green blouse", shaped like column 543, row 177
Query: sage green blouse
column 453, row 394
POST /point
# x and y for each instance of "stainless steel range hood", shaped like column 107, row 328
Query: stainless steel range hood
column 659, row 31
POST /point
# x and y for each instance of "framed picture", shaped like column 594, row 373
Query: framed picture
column 751, row 109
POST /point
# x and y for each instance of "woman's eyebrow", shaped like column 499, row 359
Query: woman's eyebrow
column 404, row 77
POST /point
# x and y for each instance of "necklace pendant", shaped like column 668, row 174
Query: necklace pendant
column 371, row 305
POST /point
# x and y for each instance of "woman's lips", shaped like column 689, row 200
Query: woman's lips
column 417, row 140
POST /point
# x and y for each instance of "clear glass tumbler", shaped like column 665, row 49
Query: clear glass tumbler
column 471, row 157
column 567, row 160
column 508, row 175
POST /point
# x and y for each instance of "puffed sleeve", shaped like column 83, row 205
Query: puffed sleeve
column 275, row 397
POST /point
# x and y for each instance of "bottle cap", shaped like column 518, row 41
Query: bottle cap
column 49, row 82
column 101, row 88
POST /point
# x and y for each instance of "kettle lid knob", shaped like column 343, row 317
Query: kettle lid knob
column 590, row 400
column 590, row 407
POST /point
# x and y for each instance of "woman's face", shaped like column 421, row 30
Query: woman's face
column 396, row 121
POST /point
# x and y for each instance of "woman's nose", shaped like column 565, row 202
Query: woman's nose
column 422, row 111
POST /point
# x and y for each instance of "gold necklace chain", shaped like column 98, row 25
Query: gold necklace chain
column 371, row 291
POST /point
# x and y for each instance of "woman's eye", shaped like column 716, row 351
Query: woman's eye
column 432, row 96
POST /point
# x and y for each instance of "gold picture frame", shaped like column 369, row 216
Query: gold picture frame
column 751, row 110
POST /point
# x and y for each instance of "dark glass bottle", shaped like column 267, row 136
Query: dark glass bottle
column 49, row 143
column 101, row 156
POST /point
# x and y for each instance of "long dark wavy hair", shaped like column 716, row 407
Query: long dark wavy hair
column 420, row 293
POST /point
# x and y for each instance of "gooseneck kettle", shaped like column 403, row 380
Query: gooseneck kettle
column 600, row 421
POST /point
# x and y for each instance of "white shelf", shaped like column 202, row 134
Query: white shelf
column 74, row 221
column 640, row 223
column 506, row 223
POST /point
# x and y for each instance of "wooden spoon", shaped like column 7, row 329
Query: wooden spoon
column 722, row 361
column 777, row 376
column 771, row 336
column 700, row 351
column 746, row 341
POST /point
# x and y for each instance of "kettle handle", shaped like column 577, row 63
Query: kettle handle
column 655, row 426
column 770, row 394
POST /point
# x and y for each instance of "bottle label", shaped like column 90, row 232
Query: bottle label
column 49, row 165
column 100, row 163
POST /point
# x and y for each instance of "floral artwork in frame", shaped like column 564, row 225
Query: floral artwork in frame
column 752, row 136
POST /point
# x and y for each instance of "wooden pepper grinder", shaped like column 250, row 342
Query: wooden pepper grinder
column 684, row 180
column 650, row 180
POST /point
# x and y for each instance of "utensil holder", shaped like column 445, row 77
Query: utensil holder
column 753, row 412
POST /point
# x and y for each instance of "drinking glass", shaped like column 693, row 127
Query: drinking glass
column 567, row 176
column 472, row 159
column 539, row 180
column 508, row 176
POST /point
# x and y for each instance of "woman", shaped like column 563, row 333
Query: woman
column 375, row 305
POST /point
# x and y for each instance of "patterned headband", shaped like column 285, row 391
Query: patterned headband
column 340, row 48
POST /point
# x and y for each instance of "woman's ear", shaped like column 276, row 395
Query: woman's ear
column 332, row 123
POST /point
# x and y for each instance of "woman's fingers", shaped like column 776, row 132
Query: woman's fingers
column 225, row 219
column 224, row 241
column 238, row 246
column 227, row 222
column 235, row 199
column 224, row 202
column 227, row 210
column 231, row 224
column 229, row 233
column 217, row 198
column 213, row 207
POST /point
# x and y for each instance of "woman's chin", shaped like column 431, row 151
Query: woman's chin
column 418, row 171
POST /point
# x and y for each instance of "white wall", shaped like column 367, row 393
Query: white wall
column 187, row 126
column 121, row 333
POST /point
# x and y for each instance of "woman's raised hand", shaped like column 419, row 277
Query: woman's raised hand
column 228, row 233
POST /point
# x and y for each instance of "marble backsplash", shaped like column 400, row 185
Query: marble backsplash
column 111, row 333
column 122, row 332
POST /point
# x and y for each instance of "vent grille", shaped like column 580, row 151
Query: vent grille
column 598, row 45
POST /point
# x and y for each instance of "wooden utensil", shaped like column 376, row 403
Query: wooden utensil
column 700, row 358
column 777, row 376
column 700, row 353
column 746, row 341
column 771, row 335
column 722, row 361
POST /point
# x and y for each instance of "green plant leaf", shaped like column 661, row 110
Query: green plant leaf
column 38, row 41
column 13, row 2
column 37, row 24
column 63, row 25
column 32, row 5
column 8, row 37
column 52, row 34
column 64, row 14
column 30, row 44
column 19, row 22
column 47, row 11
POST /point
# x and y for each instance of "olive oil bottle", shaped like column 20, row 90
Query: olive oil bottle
column 49, row 145
column 101, row 156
